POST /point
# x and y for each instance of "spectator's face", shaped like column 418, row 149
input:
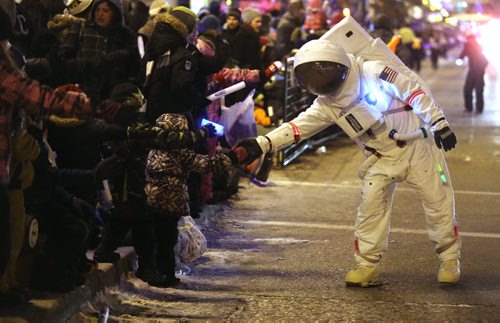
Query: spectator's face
column 103, row 15
column 256, row 24
column 232, row 22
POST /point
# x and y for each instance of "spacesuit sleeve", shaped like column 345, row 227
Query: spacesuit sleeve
column 410, row 89
column 316, row 118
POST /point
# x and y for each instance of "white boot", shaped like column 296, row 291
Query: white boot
column 363, row 276
column 449, row 272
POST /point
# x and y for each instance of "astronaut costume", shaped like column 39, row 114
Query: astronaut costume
column 388, row 111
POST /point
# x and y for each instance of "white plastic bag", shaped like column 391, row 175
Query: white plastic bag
column 191, row 243
column 238, row 120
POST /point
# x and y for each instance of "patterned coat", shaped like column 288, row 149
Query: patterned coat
column 167, row 171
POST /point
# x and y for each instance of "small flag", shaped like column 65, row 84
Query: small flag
column 388, row 74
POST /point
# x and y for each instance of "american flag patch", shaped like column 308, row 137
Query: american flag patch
column 388, row 75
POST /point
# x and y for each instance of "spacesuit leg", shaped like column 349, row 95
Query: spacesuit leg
column 438, row 203
column 374, row 214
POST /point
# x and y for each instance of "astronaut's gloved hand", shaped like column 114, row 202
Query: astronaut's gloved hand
column 248, row 150
column 445, row 138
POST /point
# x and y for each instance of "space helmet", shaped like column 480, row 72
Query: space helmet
column 321, row 66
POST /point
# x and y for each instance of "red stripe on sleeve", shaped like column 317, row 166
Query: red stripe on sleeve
column 296, row 132
column 414, row 95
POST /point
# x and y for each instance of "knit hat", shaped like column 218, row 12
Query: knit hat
column 186, row 16
column 234, row 12
column 249, row 14
column 158, row 6
column 5, row 26
column 208, row 22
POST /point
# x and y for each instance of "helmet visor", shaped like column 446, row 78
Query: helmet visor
column 322, row 77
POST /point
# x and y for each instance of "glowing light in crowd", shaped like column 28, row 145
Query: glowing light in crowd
column 346, row 12
column 489, row 40
column 436, row 5
column 434, row 17
column 452, row 21
column 416, row 12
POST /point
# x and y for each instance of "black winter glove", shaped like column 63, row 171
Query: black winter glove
column 83, row 210
column 110, row 167
column 445, row 138
column 207, row 131
column 247, row 151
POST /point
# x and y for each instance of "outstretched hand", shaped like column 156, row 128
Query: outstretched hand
column 247, row 151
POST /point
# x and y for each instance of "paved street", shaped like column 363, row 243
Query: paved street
column 281, row 252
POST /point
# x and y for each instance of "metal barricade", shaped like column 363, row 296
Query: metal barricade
column 296, row 101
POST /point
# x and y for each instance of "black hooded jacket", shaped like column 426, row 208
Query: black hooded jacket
column 115, row 46
column 172, row 68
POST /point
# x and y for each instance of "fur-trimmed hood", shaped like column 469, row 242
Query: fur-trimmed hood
column 176, row 23
column 169, row 33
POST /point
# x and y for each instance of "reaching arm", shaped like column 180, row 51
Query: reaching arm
column 24, row 93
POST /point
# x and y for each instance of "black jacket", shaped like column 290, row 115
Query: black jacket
column 169, row 88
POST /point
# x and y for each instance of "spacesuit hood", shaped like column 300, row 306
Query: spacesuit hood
column 321, row 50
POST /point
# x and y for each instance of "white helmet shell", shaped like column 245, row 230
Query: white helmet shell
column 321, row 50
column 76, row 7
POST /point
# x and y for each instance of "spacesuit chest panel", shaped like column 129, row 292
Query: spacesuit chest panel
column 358, row 119
column 364, row 113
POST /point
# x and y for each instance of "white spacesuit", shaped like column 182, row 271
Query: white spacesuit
column 390, row 112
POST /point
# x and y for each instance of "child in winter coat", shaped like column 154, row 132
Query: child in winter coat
column 167, row 193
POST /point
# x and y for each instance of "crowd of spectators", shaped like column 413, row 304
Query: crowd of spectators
column 100, row 128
